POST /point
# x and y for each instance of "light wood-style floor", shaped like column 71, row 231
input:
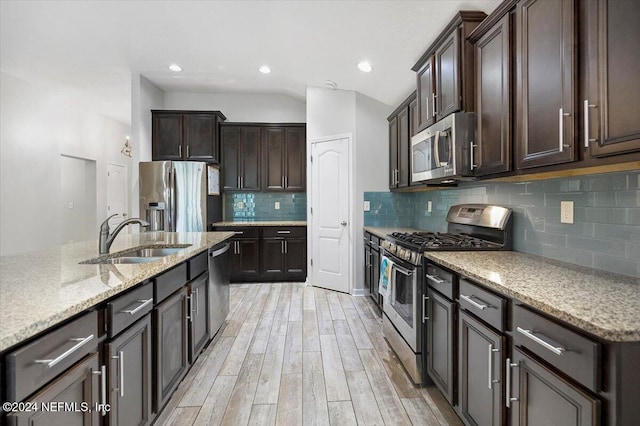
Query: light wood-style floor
column 292, row 354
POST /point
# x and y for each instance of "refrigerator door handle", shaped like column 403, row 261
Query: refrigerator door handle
column 172, row 200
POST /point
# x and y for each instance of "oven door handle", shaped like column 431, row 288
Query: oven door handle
column 402, row 270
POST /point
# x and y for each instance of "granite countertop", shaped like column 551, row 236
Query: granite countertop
column 42, row 288
column 382, row 232
column 262, row 223
column 604, row 304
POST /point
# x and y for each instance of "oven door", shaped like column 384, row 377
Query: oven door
column 431, row 154
column 402, row 307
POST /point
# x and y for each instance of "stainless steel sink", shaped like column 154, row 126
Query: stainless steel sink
column 145, row 254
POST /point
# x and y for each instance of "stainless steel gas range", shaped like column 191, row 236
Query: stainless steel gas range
column 470, row 227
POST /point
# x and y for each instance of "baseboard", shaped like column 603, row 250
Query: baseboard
column 358, row 292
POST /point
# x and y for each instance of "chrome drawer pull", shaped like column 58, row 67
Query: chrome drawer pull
column 558, row 350
column 490, row 380
column 136, row 310
column 103, row 388
column 52, row 362
column 284, row 232
column 508, row 398
column 474, row 303
column 435, row 279
column 238, row 232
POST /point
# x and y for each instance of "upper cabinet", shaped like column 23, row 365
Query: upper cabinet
column 611, row 86
column 445, row 71
column 264, row 157
column 492, row 148
column 545, row 82
column 186, row 135
column 402, row 125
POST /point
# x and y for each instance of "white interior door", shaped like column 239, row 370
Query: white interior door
column 330, row 203
column 117, row 193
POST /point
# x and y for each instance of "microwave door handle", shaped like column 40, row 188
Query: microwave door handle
column 436, row 154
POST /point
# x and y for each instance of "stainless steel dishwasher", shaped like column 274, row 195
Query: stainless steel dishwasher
column 218, row 286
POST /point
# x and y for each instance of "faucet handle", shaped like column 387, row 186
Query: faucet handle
column 105, row 225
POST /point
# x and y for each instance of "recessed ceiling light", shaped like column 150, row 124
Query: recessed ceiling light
column 175, row 67
column 365, row 66
column 264, row 69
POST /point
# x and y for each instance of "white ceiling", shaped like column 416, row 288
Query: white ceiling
column 91, row 47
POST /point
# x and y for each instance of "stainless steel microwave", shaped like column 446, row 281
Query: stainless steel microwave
column 443, row 152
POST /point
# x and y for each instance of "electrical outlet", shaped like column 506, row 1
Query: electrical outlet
column 566, row 211
column 429, row 206
column 240, row 205
column 367, row 206
column 70, row 204
column 277, row 205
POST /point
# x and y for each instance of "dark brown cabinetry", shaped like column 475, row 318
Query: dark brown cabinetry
column 611, row 64
column 185, row 135
column 492, row 147
column 372, row 266
column 284, row 158
column 245, row 254
column 171, row 344
column 545, row 82
column 240, row 157
column 440, row 332
column 198, row 324
column 129, row 359
column 445, row 71
column 400, row 133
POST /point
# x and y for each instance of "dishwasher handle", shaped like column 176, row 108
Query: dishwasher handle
column 220, row 251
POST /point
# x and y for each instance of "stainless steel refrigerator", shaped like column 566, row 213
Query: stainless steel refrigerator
column 173, row 196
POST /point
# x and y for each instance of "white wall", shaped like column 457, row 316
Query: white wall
column 334, row 112
column 38, row 124
column 242, row 107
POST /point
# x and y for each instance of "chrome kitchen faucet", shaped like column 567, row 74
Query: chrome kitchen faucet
column 106, row 240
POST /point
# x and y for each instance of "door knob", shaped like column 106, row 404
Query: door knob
column 343, row 223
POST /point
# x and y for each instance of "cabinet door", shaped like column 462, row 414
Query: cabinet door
column 493, row 100
column 273, row 265
column 274, row 158
column 375, row 276
column 249, row 257
column 403, row 148
column 413, row 119
column 250, row 159
column 368, row 279
column 480, row 355
column 78, row 385
column 447, row 60
column 230, row 141
column 171, row 342
column 426, row 95
column 393, row 152
column 129, row 361
column 201, row 142
column 544, row 398
column 440, row 343
column 295, row 159
column 167, row 136
column 198, row 324
column 613, row 98
column 545, row 82
column 295, row 250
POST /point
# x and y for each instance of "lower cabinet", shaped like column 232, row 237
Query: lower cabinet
column 480, row 355
column 538, row 396
column 440, row 327
column 372, row 266
column 129, row 361
column 171, row 343
column 198, row 319
column 245, row 259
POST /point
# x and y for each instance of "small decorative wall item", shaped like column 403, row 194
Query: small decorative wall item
column 213, row 180
column 126, row 150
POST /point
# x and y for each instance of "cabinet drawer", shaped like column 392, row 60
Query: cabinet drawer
column 197, row 265
column 241, row 232
column 487, row 306
column 441, row 280
column 35, row 364
column 169, row 282
column 570, row 352
column 279, row 231
column 129, row 308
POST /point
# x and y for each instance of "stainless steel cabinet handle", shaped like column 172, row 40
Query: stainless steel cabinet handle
column 587, row 105
column 434, row 278
column 490, row 380
column 187, row 151
column 238, row 247
column 189, row 308
column 180, row 151
column 286, row 182
column 286, row 247
column 52, row 362
column 473, row 166
column 136, row 310
column 424, row 308
column 508, row 398
column 433, row 98
column 558, row 350
column 238, row 232
column 197, row 301
column 242, row 181
column 103, row 388
column 283, row 232
column 282, row 246
column 121, row 364
column 282, row 181
column 561, row 116
column 426, row 100
column 469, row 299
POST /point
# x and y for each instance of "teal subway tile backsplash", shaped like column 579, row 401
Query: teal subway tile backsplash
column 605, row 233
column 261, row 206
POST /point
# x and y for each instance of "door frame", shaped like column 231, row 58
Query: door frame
column 126, row 196
column 350, row 207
